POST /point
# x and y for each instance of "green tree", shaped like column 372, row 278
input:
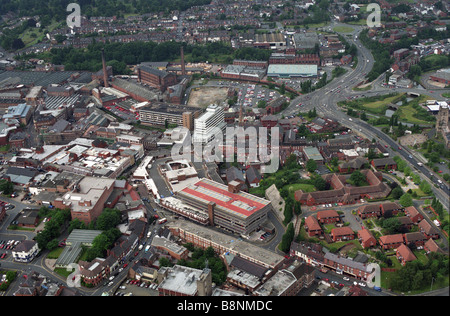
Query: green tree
column 397, row 192
column 287, row 238
column 392, row 225
column 311, row 165
column 108, row 219
column 7, row 187
column 297, row 208
column 406, row 200
column 358, row 179
column 53, row 244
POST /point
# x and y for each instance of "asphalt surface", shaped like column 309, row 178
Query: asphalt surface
column 325, row 101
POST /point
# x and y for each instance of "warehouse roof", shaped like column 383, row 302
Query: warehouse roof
column 292, row 70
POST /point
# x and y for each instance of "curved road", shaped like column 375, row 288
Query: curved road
column 325, row 101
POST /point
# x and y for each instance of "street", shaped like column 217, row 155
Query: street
column 325, row 101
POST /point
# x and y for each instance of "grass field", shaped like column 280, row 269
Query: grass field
column 360, row 22
column 33, row 34
column 406, row 112
column 379, row 107
column 301, row 186
column 343, row 29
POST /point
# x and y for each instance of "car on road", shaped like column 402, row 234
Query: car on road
column 346, row 279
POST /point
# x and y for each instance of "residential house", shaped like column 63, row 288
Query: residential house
column 432, row 246
column 310, row 253
column 383, row 163
column 368, row 211
column 406, row 223
column 404, row 254
column 429, row 230
column 390, row 209
column 346, row 265
column 415, row 238
column 366, row 238
column 391, row 241
column 312, row 226
column 414, row 214
column 342, row 233
column 328, row 216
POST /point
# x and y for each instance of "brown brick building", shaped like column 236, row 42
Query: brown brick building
column 156, row 78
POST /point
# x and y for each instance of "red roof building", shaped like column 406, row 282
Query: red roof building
column 414, row 214
column 342, row 233
column 227, row 206
column 328, row 216
column 391, row 241
column 404, row 254
column 366, row 238
column 312, row 226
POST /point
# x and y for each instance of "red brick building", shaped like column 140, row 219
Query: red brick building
column 366, row 238
column 391, row 241
column 328, row 216
column 312, row 226
column 342, row 233
column 404, row 254
column 417, row 239
column 156, row 78
column 413, row 214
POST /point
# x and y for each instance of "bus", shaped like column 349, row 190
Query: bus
column 162, row 220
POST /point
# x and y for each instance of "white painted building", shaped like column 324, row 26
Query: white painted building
column 207, row 124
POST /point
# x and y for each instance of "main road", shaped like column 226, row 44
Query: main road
column 325, row 101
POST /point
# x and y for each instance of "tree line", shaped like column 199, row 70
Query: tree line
column 108, row 8
column 119, row 55
column 60, row 219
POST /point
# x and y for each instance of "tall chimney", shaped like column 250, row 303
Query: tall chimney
column 105, row 73
column 183, row 66
column 241, row 116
